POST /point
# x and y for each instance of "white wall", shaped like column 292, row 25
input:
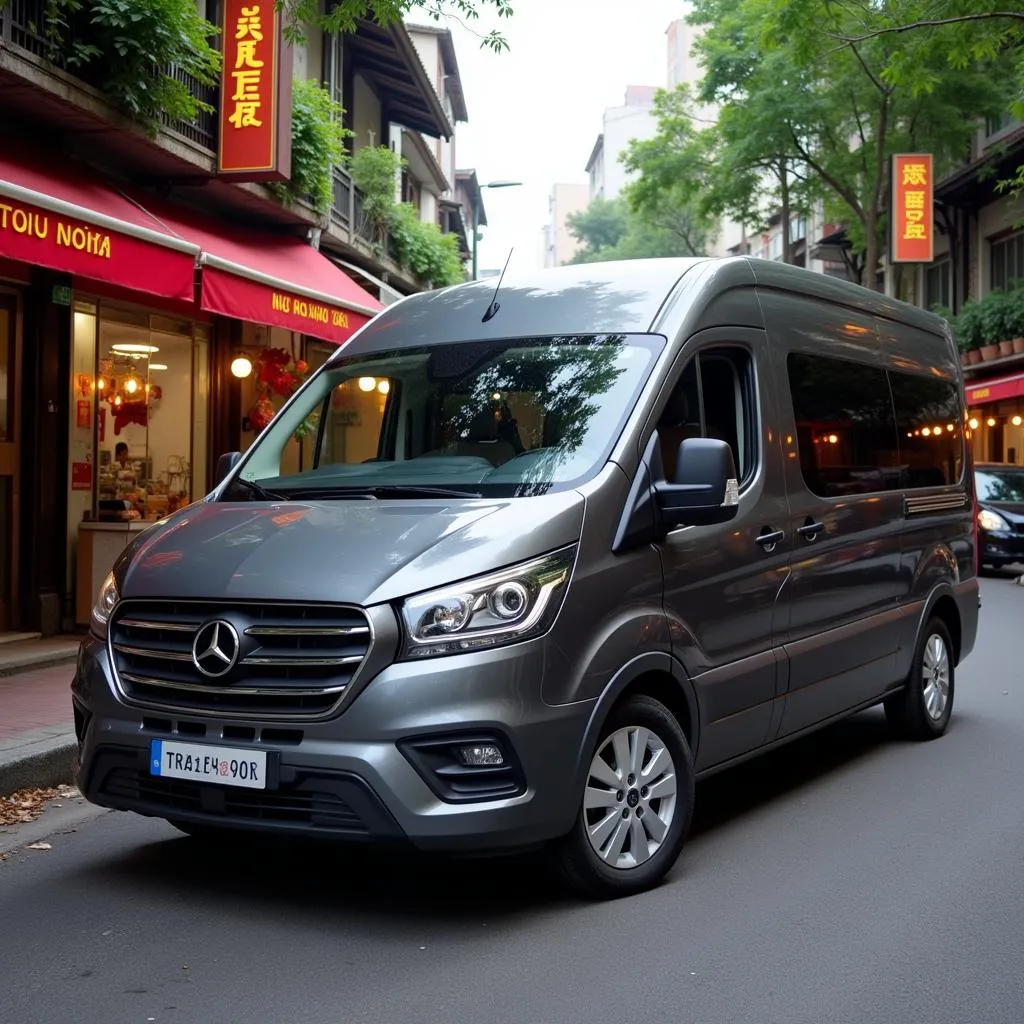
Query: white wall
column 566, row 199
column 994, row 219
column 366, row 115
column 621, row 126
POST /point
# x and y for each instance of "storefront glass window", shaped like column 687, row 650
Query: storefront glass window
column 81, row 425
column 152, row 380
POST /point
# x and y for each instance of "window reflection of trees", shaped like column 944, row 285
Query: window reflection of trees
column 560, row 387
column 1007, row 488
column 565, row 375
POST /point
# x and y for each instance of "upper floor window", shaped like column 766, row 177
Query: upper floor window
column 994, row 125
column 937, row 291
column 1007, row 260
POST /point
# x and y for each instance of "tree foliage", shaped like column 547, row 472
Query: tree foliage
column 344, row 15
column 317, row 146
column 813, row 100
column 134, row 51
column 612, row 229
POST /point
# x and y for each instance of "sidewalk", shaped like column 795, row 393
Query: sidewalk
column 37, row 736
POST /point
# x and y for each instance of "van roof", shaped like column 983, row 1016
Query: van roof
column 619, row 297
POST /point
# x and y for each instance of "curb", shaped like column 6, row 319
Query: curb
column 30, row 663
column 44, row 762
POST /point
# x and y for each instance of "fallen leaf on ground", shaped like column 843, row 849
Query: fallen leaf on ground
column 26, row 805
column 39, row 846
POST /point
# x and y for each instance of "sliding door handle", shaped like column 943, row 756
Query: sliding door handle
column 768, row 538
column 810, row 530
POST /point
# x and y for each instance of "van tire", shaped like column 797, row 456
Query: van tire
column 922, row 709
column 580, row 865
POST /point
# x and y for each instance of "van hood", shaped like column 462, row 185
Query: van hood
column 347, row 551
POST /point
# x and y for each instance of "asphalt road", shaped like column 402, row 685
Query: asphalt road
column 849, row 878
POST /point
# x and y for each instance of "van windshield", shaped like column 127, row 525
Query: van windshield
column 481, row 419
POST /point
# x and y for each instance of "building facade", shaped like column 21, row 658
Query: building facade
column 560, row 244
column 154, row 310
column 633, row 120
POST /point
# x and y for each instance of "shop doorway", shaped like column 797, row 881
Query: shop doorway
column 8, row 458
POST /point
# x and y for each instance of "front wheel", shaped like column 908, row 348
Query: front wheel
column 921, row 711
column 636, row 807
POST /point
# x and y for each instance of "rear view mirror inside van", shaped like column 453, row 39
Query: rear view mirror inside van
column 705, row 490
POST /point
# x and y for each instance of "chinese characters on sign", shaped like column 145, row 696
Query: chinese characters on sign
column 913, row 219
column 255, row 114
column 246, row 100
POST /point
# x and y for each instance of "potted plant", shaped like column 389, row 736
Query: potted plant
column 967, row 330
column 994, row 323
column 1017, row 320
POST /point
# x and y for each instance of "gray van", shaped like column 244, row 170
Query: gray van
column 542, row 557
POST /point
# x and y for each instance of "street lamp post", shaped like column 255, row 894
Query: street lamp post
column 476, row 214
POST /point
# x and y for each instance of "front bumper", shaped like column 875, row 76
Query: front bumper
column 1000, row 547
column 368, row 774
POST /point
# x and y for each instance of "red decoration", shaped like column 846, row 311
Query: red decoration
column 276, row 373
column 81, row 476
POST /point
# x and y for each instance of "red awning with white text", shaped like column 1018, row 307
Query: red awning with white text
column 995, row 390
column 272, row 279
column 61, row 216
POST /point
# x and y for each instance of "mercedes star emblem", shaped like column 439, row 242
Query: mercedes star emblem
column 215, row 648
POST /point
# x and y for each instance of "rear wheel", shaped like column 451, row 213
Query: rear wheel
column 636, row 807
column 921, row 711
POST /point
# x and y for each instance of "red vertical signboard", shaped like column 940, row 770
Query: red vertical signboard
column 913, row 211
column 255, row 94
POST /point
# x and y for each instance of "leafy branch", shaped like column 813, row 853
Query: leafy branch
column 344, row 16
column 913, row 26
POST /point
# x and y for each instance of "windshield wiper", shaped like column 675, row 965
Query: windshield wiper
column 382, row 490
column 259, row 491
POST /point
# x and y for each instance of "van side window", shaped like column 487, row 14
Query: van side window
column 845, row 428
column 714, row 397
column 930, row 424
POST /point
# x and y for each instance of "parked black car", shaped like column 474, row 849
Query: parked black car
column 1000, row 491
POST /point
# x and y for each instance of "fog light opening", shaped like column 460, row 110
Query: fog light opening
column 480, row 755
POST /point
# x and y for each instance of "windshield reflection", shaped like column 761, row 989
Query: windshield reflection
column 479, row 419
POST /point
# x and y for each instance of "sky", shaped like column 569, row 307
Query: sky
column 535, row 110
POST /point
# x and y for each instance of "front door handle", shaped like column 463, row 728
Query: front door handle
column 810, row 530
column 768, row 538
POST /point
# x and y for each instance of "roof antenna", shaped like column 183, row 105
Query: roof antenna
column 495, row 304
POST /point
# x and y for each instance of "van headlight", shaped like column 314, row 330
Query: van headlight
column 489, row 611
column 106, row 600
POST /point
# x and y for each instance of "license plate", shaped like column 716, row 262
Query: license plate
column 198, row 762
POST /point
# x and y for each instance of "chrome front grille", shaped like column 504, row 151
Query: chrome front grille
column 272, row 660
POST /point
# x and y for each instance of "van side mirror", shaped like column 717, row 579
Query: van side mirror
column 706, row 489
column 225, row 464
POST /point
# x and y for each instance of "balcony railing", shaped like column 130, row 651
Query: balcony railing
column 203, row 130
column 347, row 209
column 23, row 24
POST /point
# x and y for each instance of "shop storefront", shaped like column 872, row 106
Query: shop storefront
column 996, row 418
column 130, row 333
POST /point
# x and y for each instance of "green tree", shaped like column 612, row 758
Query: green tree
column 743, row 165
column 610, row 229
column 344, row 15
column 811, row 73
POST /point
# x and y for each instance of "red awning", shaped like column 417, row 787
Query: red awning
column 65, row 218
column 995, row 390
column 271, row 279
